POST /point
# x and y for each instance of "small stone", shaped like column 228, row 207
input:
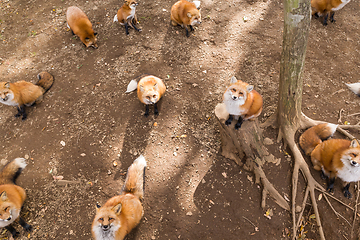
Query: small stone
column 298, row 209
column 189, row 214
column 26, row 157
column 175, row 154
column 268, row 141
column 83, row 154
column 62, row 143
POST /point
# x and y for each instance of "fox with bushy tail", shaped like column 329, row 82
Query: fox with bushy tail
column 122, row 213
column 12, row 196
column 334, row 157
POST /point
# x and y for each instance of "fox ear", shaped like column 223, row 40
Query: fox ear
column 117, row 209
column 3, row 196
column 233, row 80
column 156, row 86
column 354, row 143
column 249, row 88
column 188, row 14
column 142, row 88
column 7, row 85
column 97, row 205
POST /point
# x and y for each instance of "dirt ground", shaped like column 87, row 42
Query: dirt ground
column 86, row 121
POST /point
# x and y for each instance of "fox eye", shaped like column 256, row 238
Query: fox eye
column 110, row 218
column 241, row 93
column 154, row 96
column 233, row 90
column 148, row 97
column 353, row 155
column 101, row 219
column 6, row 209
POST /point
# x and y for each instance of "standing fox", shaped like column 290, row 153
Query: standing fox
column 242, row 101
column 335, row 157
column 122, row 213
column 186, row 14
column 126, row 15
column 80, row 25
column 21, row 93
column 326, row 8
column 150, row 89
column 12, row 196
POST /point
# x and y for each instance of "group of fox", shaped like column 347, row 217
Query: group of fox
column 120, row 214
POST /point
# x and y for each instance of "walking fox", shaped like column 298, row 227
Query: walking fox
column 22, row 93
column 12, row 196
column 122, row 213
column 335, row 157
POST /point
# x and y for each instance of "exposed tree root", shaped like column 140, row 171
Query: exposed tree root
column 355, row 212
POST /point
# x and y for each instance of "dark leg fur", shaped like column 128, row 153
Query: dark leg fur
column 156, row 111
column 316, row 15
column 239, row 123
column 325, row 19
column 228, row 122
column 127, row 28
column 187, row 31
column 146, row 111
column 332, row 17
column 323, row 176
column 26, row 226
column 72, row 32
column 191, row 28
column 346, row 191
column 330, row 187
column 133, row 25
column 12, row 230
column 21, row 111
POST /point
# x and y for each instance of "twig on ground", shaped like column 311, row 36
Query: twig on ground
column 339, row 120
column 354, row 114
column 256, row 228
column 355, row 212
column 336, row 213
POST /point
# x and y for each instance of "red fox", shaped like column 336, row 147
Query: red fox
column 326, row 7
column 150, row 89
column 22, row 93
column 126, row 15
column 335, row 157
column 241, row 100
column 186, row 14
column 122, row 213
column 80, row 25
column 354, row 87
column 12, row 196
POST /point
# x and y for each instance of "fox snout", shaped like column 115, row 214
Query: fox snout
column 5, row 98
column 105, row 227
column 353, row 163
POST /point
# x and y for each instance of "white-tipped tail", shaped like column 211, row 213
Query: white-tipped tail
column 332, row 128
column 140, row 160
column 354, row 87
column 116, row 18
column 132, row 86
column 20, row 162
column 197, row 4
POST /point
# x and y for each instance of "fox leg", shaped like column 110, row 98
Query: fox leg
column 187, row 31
column 21, row 111
column 12, row 230
column 325, row 19
column 146, row 110
column 126, row 28
column 322, row 175
column 133, row 26
column 156, row 111
column 191, row 28
column 330, row 186
column 332, row 17
column 239, row 122
column 26, row 226
column 346, row 191
column 316, row 15
column 228, row 122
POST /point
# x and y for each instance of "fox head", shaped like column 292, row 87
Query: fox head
column 352, row 154
column 238, row 90
column 90, row 40
column 194, row 16
column 150, row 93
column 131, row 3
column 7, row 209
column 6, row 95
column 106, row 222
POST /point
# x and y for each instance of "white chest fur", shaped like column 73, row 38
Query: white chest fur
column 132, row 13
column 349, row 173
column 233, row 106
column 10, row 100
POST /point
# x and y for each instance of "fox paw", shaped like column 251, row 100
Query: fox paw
column 28, row 228
column 347, row 194
column 238, row 125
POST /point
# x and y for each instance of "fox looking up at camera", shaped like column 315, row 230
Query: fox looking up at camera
column 242, row 101
column 122, row 213
column 22, row 93
column 334, row 157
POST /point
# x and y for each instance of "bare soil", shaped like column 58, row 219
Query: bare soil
column 86, row 121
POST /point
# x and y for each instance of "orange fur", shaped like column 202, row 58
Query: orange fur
column 326, row 8
column 148, row 87
column 126, row 15
column 185, row 14
column 80, row 24
column 122, row 213
column 335, row 157
column 12, row 197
